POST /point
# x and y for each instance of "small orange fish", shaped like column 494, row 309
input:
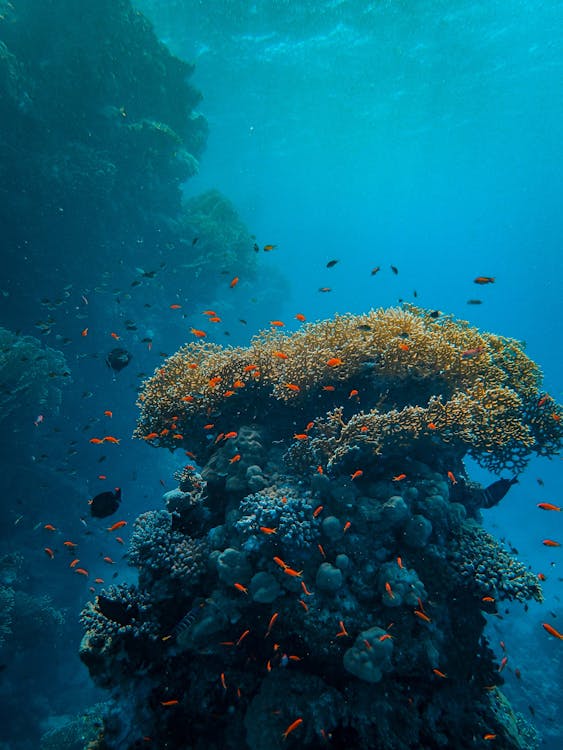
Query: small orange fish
column 114, row 336
column 241, row 588
column 187, row 398
column 342, row 632
column 177, row 436
column 544, row 399
column 551, row 630
column 300, row 436
column 346, row 526
column 318, row 510
column 489, row 736
column 292, row 387
column 209, row 312
column 95, row 441
column 212, row 382
column 268, row 530
column 357, row 474
column 389, row 590
column 223, row 681
column 277, row 323
column 173, row 702
column 74, row 563
column 119, row 539
column 334, row 362
column 117, row 525
column 49, row 527
column 399, row 477
column 303, row 604
column 422, row 615
column 300, row 317
column 84, row 332
column 299, row 721
column 249, row 368
column 385, row 637
column 431, row 426
column 503, row 663
column 451, row 477
column 548, row 506
column 109, row 560
column 234, row 282
column 488, row 599
column 329, row 388
column 319, row 470
column 209, row 426
column 81, row 571
column 230, row 435
column 239, row 384
column 353, row 392
column 321, row 550
column 175, row 307
column 280, row 355
column 198, row 333
column 215, row 319
column 49, row 552
column 242, row 637
column 99, row 580
column 484, row 280
column 305, row 589
column 293, row 573
column 542, row 577
column 280, row 562
column 111, row 439
column 550, row 543
column 235, row 459
column 404, row 347
column 439, row 673
column 273, row 619
column 150, row 436
column 399, row 562
column 70, row 545
column 268, row 248
column 108, row 413
column 363, row 428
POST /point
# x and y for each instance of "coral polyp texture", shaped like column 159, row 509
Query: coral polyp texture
column 320, row 576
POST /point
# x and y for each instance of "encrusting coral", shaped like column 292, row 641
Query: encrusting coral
column 320, row 574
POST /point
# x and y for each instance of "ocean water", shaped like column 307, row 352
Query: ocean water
column 417, row 136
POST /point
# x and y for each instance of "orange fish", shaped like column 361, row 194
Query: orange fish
column 95, row 441
column 452, row 478
column 334, row 362
column 439, row 673
column 292, row 572
column 151, row 436
column 81, row 571
column 552, row 631
column 280, row 562
column 309, row 426
column 49, row 552
column 299, row 721
column 177, row 436
column 292, row 387
column 384, row 637
column 242, row 637
column 305, row 590
column 208, row 426
column 212, row 382
column 209, row 312
column 239, row 384
column 488, row 599
column 321, row 550
column 431, row 426
column 119, row 539
column 175, row 307
column 214, row 319
column 111, row 439
column 300, row 317
column 74, row 563
column 399, row 477
column 329, row 388
column 109, row 560
column 173, row 702
column 99, row 580
column 241, row 588
column 346, row 526
column 268, row 530
column 548, row 506
column 230, row 435
column 542, row 577
column 422, row 615
column 267, row 248
column 70, row 545
column 49, row 527
column 404, row 347
column 550, row 543
column 114, row 336
column 353, row 392
column 249, row 368
column 389, row 590
column 84, row 332
column 280, row 355
column 303, row 604
column 234, row 459
column 273, row 619
column 484, row 280
column 117, row 525
column 300, row 436
column 198, row 333
column 342, row 632
column 489, row 736
column 187, row 398
column 234, row 282
column 318, row 510
column 357, row 474
column 277, row 323
column 108, row 413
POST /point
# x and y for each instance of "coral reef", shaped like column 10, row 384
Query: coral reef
column 31, row 376
column 341, row 600
column 426, row 381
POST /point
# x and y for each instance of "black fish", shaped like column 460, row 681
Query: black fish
column 331, row 263
column 119, row 612
column 474, row 302
column 394, row 269
column 194, row 241
column 118, row 358
column 493, row 494
column 106, row 503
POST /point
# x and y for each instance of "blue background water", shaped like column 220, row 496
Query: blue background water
column 426, row 135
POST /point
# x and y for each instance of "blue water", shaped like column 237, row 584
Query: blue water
column 421, row 135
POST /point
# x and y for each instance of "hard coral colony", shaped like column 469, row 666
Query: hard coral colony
column 281, row 601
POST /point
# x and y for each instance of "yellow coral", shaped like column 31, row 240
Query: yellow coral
column 478, row 391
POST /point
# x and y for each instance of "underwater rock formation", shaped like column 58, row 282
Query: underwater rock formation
column 341, row 603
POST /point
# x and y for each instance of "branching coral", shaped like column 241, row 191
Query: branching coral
column 435, row 379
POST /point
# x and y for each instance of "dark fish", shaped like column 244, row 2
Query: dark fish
column 119, row 612
column 493, row 494
column 106, row 503
column 256, row 248
column 474, row 302
column 243, row 321
column 394, row 269
column 194, row 241
column 363, row 327
column 434, row 313
column 187, row 621
column 375, row 270
column 325, row 289
column 331, row 263
column 118, row 358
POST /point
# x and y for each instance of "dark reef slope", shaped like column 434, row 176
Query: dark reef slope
column 322, row 578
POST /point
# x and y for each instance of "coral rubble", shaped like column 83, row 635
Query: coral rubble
column 320, row 574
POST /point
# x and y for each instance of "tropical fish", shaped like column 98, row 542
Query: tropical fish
column 331, row 263
column 105, row 503
column 484, row 280
column 118, row 359
column 493, row 494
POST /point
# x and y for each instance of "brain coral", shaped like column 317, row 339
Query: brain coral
column 422, row 379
